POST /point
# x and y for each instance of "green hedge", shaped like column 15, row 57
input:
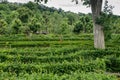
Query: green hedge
column 72, row 76
column 113, row 63
column 20, row 37
column 58, row 68
column 100, row 53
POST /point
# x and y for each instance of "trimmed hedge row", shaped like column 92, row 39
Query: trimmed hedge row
column 43, row 43
column 58, row 68
column 72, row 76
column 65, row 50
column 42, row 59
column 84, row 54
column 45, row 37
column 100, row 53
column 113, row 63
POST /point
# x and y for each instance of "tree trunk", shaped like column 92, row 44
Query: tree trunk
column 96, row 6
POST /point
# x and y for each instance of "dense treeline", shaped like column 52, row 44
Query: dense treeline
column 17, row 18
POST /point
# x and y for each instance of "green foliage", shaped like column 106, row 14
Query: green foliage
column 115, row 38
column 71, row 18
column 113, row 63
column 25, row 30
column 4, row 7
column 106, row 19
column 86, row 2
column 45, row 1
column 78, row 28
column 34, row 25
column 84, row 25
column 16, row 24
column 40, row 19
column 31, row 5
column 24, row 14
column 108, row 8
column 40, row 76
column 3, row 26
column 44, row 55
column 115, row 26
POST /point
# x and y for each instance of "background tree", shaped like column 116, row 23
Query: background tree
column 3, row 26
column 24, row 14
column 86, row 22
column 34, row 25
column 15, row 26
column 71, row 19
column 78, row 27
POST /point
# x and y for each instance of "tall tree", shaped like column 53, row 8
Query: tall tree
column 96, row 7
